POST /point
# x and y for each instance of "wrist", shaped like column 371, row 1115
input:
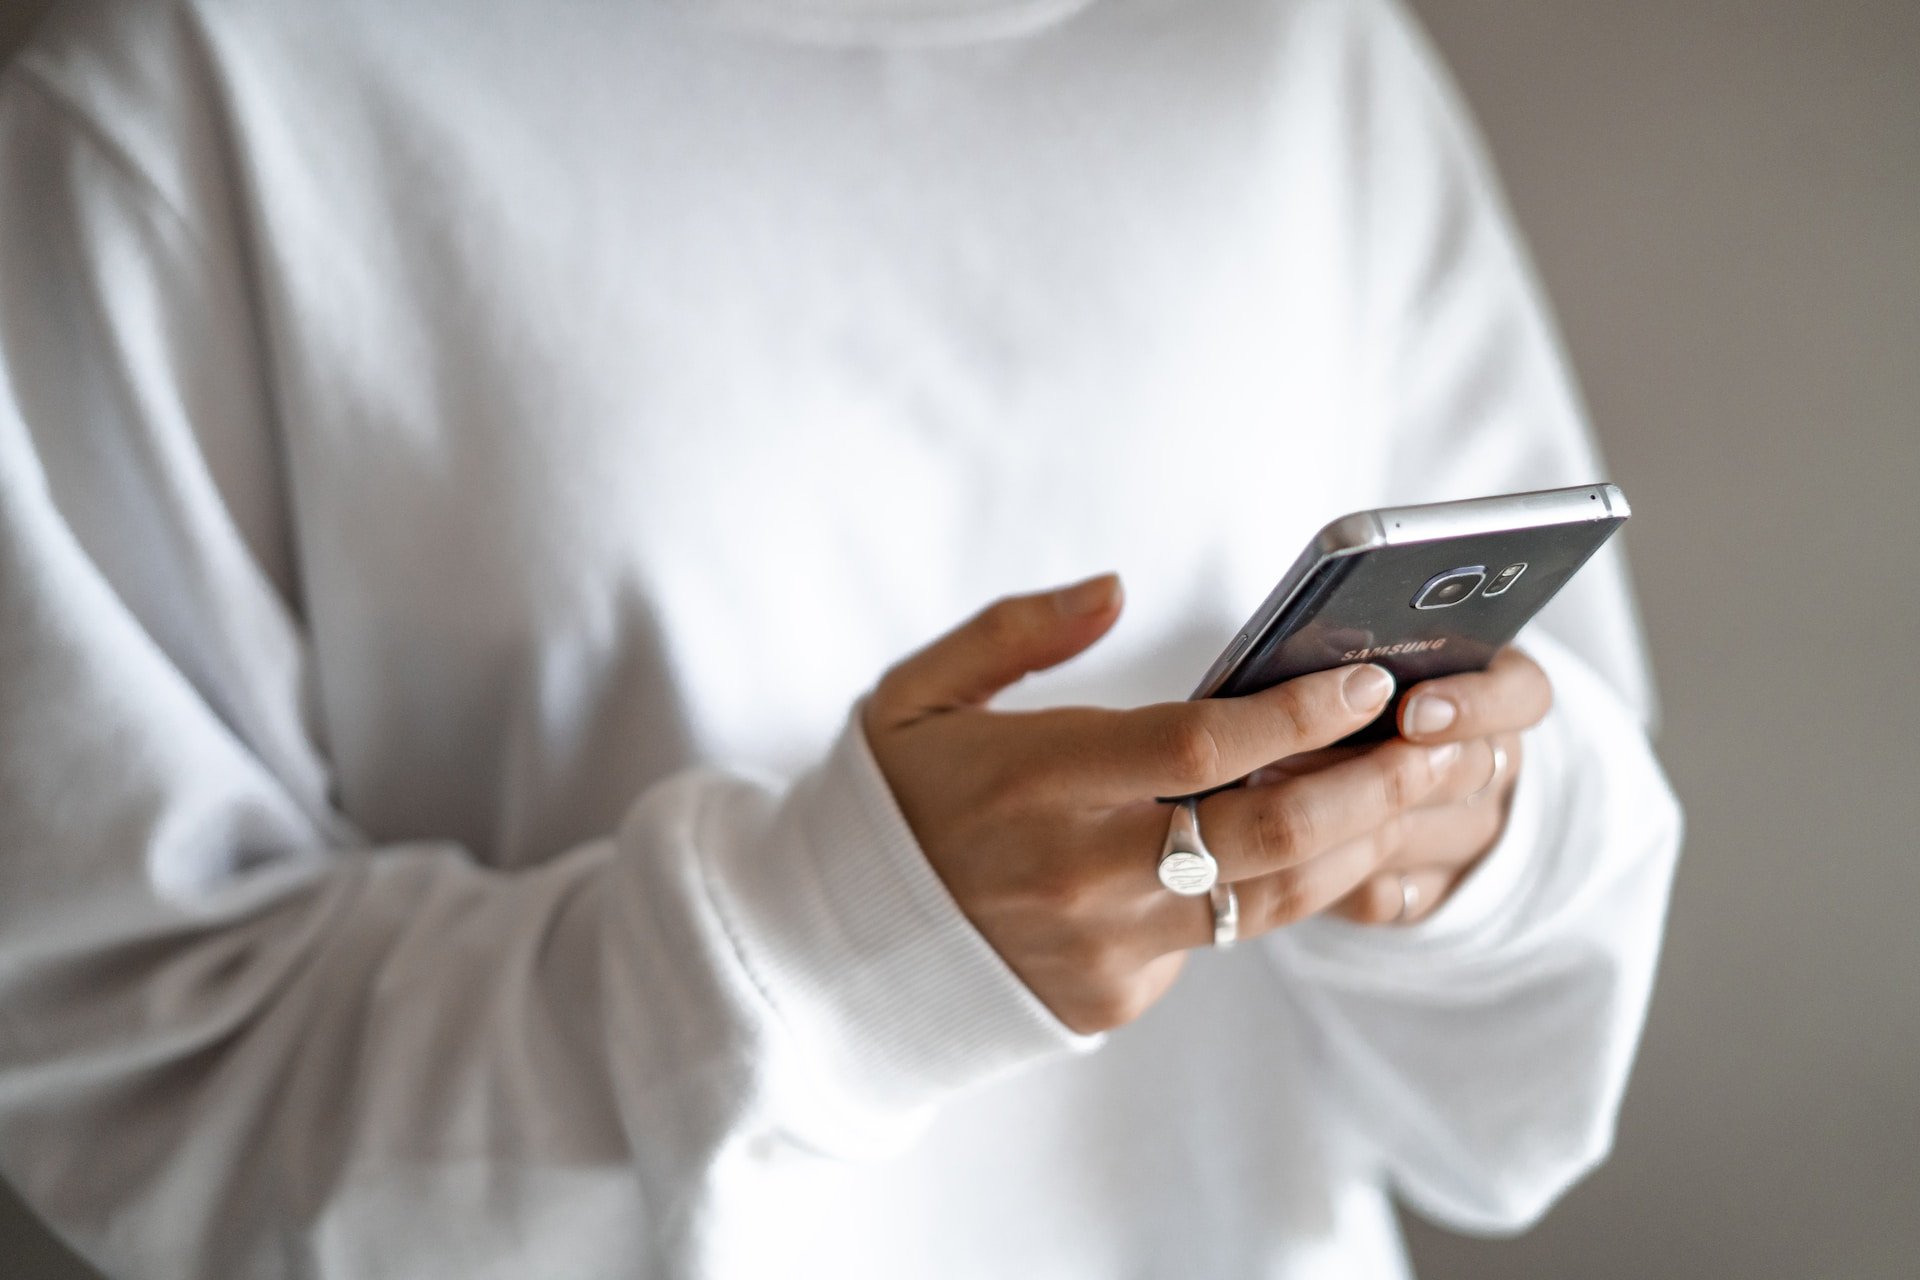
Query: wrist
column 864, row 955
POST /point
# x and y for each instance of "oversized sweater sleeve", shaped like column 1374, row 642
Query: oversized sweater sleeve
column 239, row 1036
column 1483, row 1052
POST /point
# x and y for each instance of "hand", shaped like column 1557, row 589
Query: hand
column 1424, row 854
column 1044, row 827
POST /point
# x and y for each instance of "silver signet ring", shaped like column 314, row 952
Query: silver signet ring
column 1185, row 865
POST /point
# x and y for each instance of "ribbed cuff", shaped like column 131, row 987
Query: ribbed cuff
column 864, row 954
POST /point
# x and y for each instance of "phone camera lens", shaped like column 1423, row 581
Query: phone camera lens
column 1451, row 587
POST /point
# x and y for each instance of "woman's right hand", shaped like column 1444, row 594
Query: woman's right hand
column 1044, row 824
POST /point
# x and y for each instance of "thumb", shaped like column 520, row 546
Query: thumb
column 994, row 648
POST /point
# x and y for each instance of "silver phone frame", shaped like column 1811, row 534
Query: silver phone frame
column 1405, row 526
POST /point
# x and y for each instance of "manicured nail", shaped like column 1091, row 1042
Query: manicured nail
column 1366, row 687
column 1430, row 713
column 1089, row 597
column 1443, row 755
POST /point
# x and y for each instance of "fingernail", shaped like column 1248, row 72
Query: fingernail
column 1443, row 755
column 1366, row 687
column 1088, row 597
column 1430, row 713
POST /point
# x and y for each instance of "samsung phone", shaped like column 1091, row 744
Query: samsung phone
column 1423, row 591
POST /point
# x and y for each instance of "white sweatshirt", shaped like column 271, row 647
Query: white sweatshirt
column 461, row 461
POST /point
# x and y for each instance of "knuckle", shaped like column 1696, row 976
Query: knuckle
column 1404, row 780
column 1110, row 992
column 1060, row 889
column 1192, row 752
column 1028, row 782
column 1107, row 1009
column 1390, row 840
column 1287, row 900
column 1092, row 955
column 1000, row 624
column 889, row 690
column 1285, row 829
column 1293, row 714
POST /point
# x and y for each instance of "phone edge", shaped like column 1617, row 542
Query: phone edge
column 1352, row 533
column 1535, row 509
column 1402, row 526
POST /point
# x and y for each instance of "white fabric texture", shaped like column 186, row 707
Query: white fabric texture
column 460, row 465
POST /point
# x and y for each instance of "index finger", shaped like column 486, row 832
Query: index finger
column 1512, row 694
column 1183, row 748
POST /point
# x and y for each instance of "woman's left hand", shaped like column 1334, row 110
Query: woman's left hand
column 1426, row 852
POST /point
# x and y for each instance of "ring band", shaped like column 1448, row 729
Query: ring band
column 1409, row 899
column 1185, row 865
column 1499, row 767
column 1226, row 916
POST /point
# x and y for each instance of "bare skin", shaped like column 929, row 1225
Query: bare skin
column 1044, row 826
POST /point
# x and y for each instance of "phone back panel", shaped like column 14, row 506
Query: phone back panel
column 1358, row 607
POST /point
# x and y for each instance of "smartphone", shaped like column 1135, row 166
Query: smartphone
column 1423, row 591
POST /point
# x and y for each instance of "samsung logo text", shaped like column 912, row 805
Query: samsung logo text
column 1389, row 650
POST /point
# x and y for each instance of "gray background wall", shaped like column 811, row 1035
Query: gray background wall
column 1724, row 199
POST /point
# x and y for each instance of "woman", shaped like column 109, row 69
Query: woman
column 464, row 469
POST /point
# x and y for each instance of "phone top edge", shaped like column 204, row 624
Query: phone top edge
column 1430, row 522
column 1358, row 531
